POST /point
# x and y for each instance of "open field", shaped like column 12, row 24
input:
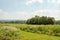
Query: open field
column 35, row 36
column 36, row 32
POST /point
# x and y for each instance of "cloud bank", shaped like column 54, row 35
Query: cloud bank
column 29, row 2
column 25, row 15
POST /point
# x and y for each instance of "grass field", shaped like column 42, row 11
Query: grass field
column 35, row 36
column 25, row 35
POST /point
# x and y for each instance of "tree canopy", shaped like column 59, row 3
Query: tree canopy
column 41, row 20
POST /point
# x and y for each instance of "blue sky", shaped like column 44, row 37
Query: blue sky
column 24, row 9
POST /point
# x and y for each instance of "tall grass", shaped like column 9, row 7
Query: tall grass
column 43, row 29
column 9, row 33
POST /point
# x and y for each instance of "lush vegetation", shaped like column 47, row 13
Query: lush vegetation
column 43, row 29
column 9, row 33
column 41, row 20
column 29, row 32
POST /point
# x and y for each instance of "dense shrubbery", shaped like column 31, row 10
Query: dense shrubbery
column 9, row 33
column 41, row 20
column 44, row 29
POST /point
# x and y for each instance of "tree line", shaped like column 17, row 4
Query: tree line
column 41, row 20
column 13, row 21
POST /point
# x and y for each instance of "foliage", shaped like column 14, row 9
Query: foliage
column 43, row 29
column 36, row 32
column 41, row 20
column 9, row 33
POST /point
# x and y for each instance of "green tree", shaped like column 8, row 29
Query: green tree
column 41, row 20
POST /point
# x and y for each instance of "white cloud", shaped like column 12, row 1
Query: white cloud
column 33, row 1
column 29, row 2
column 26, row 15
column 58, row 1
column 53, row 1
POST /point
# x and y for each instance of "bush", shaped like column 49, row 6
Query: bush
column 9, row 33
column 44, row 29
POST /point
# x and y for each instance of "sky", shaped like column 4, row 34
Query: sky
column 25, row 9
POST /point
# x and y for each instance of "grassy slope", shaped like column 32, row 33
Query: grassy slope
column 35, row 36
